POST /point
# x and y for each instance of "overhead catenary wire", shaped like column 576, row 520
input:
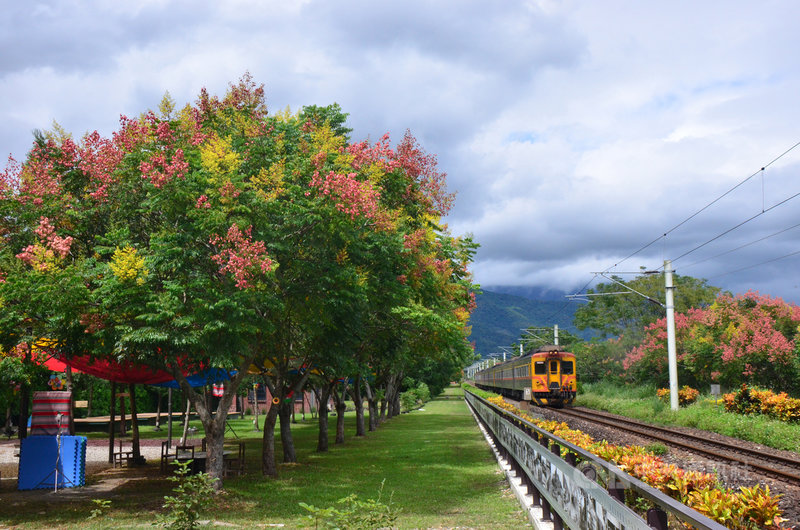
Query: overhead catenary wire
column 757, row 264
column 740, row 247
column 695, row 214
column 728, row 231
column 704, row 208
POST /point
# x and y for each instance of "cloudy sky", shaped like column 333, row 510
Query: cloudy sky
column 575, row 133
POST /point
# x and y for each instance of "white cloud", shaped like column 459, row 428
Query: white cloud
column 574, row 132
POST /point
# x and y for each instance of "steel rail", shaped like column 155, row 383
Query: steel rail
column 740, row 455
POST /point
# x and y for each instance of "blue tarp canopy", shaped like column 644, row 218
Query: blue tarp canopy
column 209, row 376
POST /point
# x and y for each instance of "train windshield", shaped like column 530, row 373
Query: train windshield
column 567, row 367
column 553, row 367
column 539, row 368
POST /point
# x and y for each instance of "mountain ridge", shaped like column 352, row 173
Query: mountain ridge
column 499, row 317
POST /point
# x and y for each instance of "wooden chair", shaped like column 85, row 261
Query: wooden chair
column 184, row 451
column 122, row 455
column 234, row 463
column 166, row 456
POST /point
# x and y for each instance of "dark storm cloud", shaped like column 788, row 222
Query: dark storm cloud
column 511, row 40
column 573, row 132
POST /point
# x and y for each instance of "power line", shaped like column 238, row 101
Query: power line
column 698, row 212
column 741, row 246
column 737, row 226
column 757, row 264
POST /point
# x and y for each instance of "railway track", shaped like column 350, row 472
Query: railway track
column 776, row 466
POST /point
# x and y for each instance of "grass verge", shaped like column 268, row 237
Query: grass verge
column 435, row 463
column 641, row 403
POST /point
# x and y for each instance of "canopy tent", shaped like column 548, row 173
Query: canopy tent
column 209, row 376
column 127, row 372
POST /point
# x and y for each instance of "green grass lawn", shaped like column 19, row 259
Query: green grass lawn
column 434, row 464
column 642, row 403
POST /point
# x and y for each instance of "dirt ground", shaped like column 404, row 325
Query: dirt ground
column 100, row 475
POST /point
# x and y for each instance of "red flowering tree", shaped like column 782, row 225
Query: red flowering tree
column 218, row 235
column 745, row 338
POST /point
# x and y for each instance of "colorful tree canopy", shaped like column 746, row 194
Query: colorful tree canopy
column 746, row 338
column 220, row 235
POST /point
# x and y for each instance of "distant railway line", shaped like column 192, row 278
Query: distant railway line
column 775, row 466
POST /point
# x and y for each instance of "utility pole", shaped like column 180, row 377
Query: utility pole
column 672, row 356
column 555, row 334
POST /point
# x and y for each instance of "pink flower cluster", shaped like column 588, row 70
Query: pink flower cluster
column 38, row 178
column 241, row 256
column 38, row 256
column 422, row 169
column 159, row 172
column 132, row 133
column 351, row 196
column 99, row 159
column 243, row 95
column 744, row 332
column 365, row 155
column 47, row 234
column 229, row 190
column 9, row 177
column 202, row 202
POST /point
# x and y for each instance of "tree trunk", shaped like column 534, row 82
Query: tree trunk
column 383, row 410
column 111, row 429
column 24, row 399
column 186, row 422
column 90, row 401
column 71, row 426
column 215, row 440
column 214, row 424
column 24, row 402
column 322, row 416
column 268, row 465
column 123, row 424
column 255, row 407
column 396, row 404
column 137, row 453
column 341, row 406
column 285, row 414
column 391, row 392
column 158, row 412
column 372, row 403
column 358, row 401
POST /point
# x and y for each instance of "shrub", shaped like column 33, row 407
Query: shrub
column 686, row 395
column 753, row 400
column 408, row 400
column 423, row 393
column 192, row 494
column 415, row 397
column 355, row 513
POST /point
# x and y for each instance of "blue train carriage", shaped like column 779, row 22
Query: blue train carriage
column 546, row 377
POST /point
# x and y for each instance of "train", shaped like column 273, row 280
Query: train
column 546, row 377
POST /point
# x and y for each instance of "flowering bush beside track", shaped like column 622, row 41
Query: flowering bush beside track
column 747, row 338
column 753, row 400
column 747, row 508
column 686, row 395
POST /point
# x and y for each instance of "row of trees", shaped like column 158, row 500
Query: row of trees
column 220, row 235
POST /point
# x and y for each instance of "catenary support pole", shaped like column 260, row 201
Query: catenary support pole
column 672, row 356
